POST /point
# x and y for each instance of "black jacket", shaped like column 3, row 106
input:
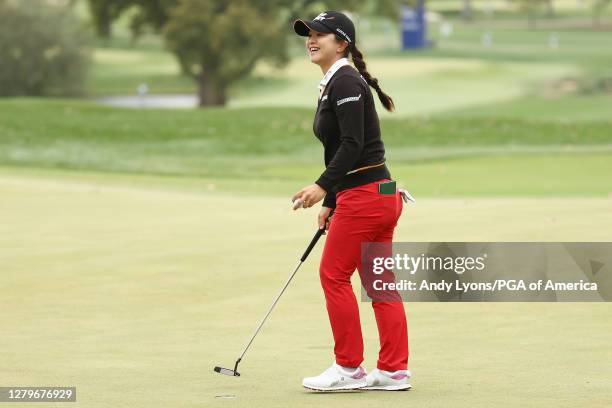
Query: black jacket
column 347, row 124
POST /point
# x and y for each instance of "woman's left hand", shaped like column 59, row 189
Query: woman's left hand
column 309, row 195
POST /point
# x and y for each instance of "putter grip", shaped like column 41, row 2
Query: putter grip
column 312, row 243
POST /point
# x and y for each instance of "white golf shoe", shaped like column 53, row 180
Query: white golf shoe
column 337, row 378
column 388, row 380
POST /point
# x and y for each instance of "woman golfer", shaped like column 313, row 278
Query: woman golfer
column 356, row 185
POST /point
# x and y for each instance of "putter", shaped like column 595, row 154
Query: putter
column 234, row 372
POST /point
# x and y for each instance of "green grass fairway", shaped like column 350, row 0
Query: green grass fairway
column 418, row 85
column 121, row 71
column 132, row 293
column 571, row 109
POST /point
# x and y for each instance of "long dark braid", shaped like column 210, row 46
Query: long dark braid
column 373, row 82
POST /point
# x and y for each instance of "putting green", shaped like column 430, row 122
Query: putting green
column 132, row 293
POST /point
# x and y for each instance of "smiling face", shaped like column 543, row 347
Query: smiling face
column 324, row 48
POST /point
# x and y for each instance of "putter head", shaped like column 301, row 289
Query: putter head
column 227, row 371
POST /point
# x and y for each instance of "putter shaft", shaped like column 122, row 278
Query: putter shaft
column 235, row 372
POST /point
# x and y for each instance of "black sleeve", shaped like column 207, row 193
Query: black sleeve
column 347, row 99
column 330, row 200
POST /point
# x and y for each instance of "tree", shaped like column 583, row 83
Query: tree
column 467, row 10
column 217, row 46
column 218, row 42
column 42, row 50
column 550, row 8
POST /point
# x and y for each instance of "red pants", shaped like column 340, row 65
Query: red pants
column 361, row 215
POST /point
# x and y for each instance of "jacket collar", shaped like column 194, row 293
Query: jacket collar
column 331, row 71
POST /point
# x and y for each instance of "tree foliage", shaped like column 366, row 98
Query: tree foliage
column 152, row 13
column 42, row 50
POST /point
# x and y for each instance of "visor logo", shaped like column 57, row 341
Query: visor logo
column 344, row 34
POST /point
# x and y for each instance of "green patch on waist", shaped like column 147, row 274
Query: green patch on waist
column 387, row 187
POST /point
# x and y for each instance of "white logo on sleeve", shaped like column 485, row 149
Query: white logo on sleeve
column 349, row 99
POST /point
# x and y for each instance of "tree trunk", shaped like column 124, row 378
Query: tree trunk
column 210, row 93
column 105, row 30
column 550, row 8
column 101, row 13
column 467, row 10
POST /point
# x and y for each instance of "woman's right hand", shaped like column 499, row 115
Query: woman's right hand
column 323, row 218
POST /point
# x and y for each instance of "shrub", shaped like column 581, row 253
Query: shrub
column 42, row 50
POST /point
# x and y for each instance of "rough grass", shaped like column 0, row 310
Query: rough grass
column 435, row 157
